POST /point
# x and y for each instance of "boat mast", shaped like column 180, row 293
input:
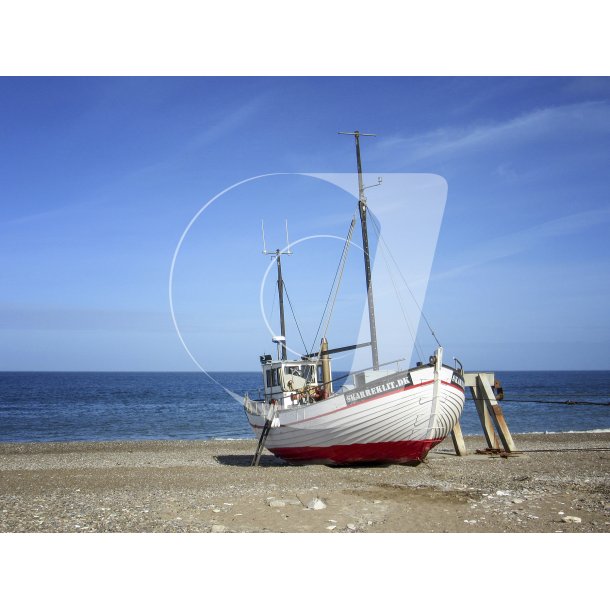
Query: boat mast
column 280, row 291
column 365, row 247
column 280, row 283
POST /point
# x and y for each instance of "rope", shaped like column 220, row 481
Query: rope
column 550, row 402
column 562, row 395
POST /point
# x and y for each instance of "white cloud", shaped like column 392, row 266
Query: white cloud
column 508, row 245
column 551, row 122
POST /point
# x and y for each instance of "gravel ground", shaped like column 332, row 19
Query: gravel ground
column 556, row 483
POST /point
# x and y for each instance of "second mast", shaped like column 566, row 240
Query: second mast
column 365, row 247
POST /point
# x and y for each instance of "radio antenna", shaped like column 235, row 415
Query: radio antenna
column 280, row 284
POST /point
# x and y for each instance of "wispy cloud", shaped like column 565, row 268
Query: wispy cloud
column 219, row 126
column 48, row 214
column 16, row 317
column 547, row 122
column 229, row 122
column 514, row 243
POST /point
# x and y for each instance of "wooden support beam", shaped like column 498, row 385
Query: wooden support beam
column 470, row 379
column 493, row 442
column 458, row 440
column 496, row 413
column 489, row 412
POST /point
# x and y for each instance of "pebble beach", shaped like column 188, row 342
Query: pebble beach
column 554, row 483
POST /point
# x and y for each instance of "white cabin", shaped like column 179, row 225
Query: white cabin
column 291, row 382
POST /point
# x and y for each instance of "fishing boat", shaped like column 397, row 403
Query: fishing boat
column 379, row 415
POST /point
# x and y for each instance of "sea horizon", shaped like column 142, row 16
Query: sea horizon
column 246, row 371
column 47, row 406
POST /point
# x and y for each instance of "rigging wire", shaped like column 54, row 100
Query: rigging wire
column 294, row 317
column 338, row 271
column 342, row 262
column 400, row 303
column 423, row 315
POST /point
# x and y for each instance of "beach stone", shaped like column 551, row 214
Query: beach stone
column 351, row 526
column 277, row 503
column 517, row 501
column 316, row 504
column 502, row 492
column 570, row 519
column 218, row 529
column 114, row 500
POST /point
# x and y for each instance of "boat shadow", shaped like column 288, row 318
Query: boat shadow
column 270, row 461
column 266, row 461
column 359, row 465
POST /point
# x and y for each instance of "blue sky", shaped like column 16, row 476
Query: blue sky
column 100, row 176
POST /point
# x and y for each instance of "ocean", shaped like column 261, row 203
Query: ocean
column 41, row 407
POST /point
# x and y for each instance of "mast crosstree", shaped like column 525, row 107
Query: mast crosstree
column 365, row 246
column 280, row 285
column 362, row 209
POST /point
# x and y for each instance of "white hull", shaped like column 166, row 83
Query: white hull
column 396, row 418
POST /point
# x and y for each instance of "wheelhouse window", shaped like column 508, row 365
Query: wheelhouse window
column 308, row 372
column 272, row 377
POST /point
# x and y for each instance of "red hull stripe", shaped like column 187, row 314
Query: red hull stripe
column 405, row 389
column 455, row 385
column 354, row 404
column 394, row 452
